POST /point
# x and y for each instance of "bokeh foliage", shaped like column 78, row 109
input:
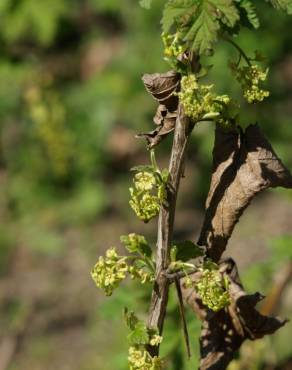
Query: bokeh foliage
column 69, row 78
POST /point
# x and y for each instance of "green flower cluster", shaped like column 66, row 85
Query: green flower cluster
column 140, row 337
column 212, row 287
column 250, row 78
column 200, row 103
column 196, row 99
column 142, row 270
column 173, row 45
column 144, row 181
column 135, row 242
column 141, row 274
column 147, row 195
column 109, row 271
column 145, row 205
column 155, row 340
column 140, row 359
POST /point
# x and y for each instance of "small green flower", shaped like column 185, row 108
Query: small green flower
column 136, row 358
column 212, row 288
column 144, row 181
column 134, row 242
column 145, row 277
column 174, row 46
column 250, row 77
column 145, row 205
column 108, row 272
column 200, row 103
column 141, row 274
column 149, row 191
column 111, row 254
column 140, row 359
column 155, row 340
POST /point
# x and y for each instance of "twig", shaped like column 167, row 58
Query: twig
column 183, row 317
column 172, row 276
column 165, row 226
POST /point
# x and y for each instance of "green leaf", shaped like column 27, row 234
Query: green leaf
column 250, row 11
column 165, row 175
column 285, row 5
column 203, row 32
column 145, row 3
column 130, row 319
column 173, row 10
column 205, row 20
column 144, row 249
column 199, row 21
column 226, row 11
column 139, row 332
column 139, row 264
column 186, row 250
column 139, row 335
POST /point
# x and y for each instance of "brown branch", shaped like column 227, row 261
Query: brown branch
column 165, row 226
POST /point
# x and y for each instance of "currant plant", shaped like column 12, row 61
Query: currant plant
column 244, row 164
column 149, row 190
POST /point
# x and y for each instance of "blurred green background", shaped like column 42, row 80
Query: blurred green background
column 71, row 101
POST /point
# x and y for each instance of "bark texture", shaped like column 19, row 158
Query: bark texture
column 165, row 226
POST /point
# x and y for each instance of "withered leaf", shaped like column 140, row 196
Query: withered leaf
column 165, row 122
column 243, row 165
column 162, row 86
column 163, row 115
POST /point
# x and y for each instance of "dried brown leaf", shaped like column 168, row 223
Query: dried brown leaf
column 162, row 87
column 243, row 165
column 165, row 122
